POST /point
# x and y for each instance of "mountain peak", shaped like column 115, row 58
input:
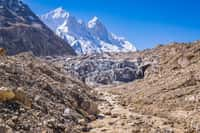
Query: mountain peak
column 92, row 37
column 59, row 9
column 95, row 18
column 93, row 22
column 55, row 17
column 59, row 13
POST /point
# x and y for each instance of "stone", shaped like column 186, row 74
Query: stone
column 108, row 112
column 44, row 131
column 10, row 123
column 37, row 98
column 2, row 52
column 92, row 117
column 6, row 94
column 114, row 115
column 183, row 61
column 22, row 97
column 90, row 107
column 100, row 116
column 66, row 112
column 86, row 129
column 5, row 129
column 82, row 122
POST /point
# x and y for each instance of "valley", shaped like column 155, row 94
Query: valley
column 59, row 74
column 165, row 100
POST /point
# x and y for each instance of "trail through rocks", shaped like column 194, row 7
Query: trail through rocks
column 117, row 118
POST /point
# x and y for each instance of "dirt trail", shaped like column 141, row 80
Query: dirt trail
column 115, row 118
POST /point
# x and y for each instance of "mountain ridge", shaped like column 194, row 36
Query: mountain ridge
column 21, row 31
column 85, row 38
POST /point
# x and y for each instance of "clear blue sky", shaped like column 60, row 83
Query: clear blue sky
column 145, row 23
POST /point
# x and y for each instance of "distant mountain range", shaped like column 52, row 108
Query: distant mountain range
column 21, row 30
column 92, row 37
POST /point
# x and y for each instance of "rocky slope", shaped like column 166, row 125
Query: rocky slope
column 85, row 38
column 36, row 96
column 21, row 30
column 166, row 100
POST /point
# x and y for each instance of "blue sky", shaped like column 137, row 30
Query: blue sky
column 145, row 23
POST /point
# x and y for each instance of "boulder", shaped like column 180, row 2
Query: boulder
column 6, row 94
column 2, row 52
column 90, row 107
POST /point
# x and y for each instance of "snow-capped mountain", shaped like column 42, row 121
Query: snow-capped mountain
column 85, row 38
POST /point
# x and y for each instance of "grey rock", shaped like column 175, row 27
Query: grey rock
column 100, row 70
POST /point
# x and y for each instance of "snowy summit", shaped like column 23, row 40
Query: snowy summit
column 89, row 38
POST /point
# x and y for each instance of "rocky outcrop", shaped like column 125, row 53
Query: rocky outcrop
column 36, row 96
column 21, row 30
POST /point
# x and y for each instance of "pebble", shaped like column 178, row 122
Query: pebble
column 10, row 123
column 114, row 115
column 107, row 112
column 14, row 118
column 100, row 116
column 66, row 112
column 82, row 122
column 92, row 117
column 37, row 98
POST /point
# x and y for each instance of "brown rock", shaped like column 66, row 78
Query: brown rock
column 114, row 115
column 6, row 94
column 82, row 122
column 90, row 107
column 108, row 112
column 2, row 52
column 42, row 92
column 5, row 129
column 22, row 97
column 183, row 61
column 10, row 123
column 92, row 117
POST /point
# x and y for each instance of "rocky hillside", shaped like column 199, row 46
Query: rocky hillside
column 21, row 30
column 166, row 100
column 37, row 97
